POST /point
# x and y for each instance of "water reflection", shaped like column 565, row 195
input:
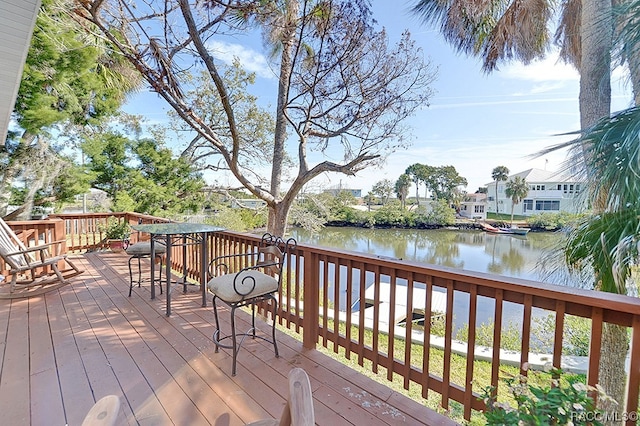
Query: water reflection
column 507, row 255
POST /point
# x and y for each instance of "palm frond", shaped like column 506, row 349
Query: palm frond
column 609, row 243
column 520, row 33
column 567, row 35
column 611, row 150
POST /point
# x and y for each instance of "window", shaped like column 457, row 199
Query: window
column 528, row 205
column 559, row 187
column 539, row 188
column 491, row 199
column 548, row 205
column 478, row 209
column 565, row 188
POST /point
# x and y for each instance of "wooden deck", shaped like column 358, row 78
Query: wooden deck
column 63, row 351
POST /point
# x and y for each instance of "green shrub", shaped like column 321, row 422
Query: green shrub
column 564, row 401
column 346, row 214
column 391, row 215
column 552, row 221
column 229, row 219
column 254, row 219
column 438, row 326
column 440, row 214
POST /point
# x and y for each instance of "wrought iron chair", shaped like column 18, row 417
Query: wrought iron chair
column 259, row 277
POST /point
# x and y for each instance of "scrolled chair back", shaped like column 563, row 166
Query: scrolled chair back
column 272, row 252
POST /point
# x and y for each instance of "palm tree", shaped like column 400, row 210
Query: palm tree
column 608, row 239
column 402, row 188
column 515, row 29
column 500, row 173
column 417, row 173
column 517, row 189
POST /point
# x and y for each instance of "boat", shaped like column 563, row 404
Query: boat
column 516, row 231
column 502, row 230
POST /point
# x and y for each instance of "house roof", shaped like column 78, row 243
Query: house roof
column 17, row 19
column 539, row 175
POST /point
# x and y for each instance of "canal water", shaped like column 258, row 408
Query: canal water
column 534, row 257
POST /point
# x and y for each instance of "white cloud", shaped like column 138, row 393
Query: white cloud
column 549, row 69
column 251, row 60
column 502, row 102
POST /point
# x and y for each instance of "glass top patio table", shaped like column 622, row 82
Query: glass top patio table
column 179, row 234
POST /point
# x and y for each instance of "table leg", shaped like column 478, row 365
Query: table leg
column 153, row 269
column 168, row 277
column 203, row 268
column 184, row 263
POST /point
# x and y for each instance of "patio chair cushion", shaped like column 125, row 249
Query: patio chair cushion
column 223, row 286
column 143, row 248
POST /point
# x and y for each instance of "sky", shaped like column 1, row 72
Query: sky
column 474, row 121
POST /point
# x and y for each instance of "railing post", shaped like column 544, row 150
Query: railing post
column 60, row 234
column 311, row 284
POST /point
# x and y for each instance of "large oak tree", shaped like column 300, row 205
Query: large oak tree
column 343, row 90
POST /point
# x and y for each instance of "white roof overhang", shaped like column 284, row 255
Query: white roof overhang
column 17, row 20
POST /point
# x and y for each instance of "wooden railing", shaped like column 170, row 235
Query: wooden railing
column 322, row 298
column 323, row 284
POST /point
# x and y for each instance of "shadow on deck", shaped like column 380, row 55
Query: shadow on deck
column 64, row 350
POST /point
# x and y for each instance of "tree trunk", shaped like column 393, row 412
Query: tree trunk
column 12, row 171
column 277, row 223
column 613, row 356
column 286, row 68
column 595, row 104
column 595, row 62
column 496, row 198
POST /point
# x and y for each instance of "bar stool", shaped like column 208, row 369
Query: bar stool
column 139, row 251
column 259, row 281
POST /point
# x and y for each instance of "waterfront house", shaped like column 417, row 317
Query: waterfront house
column 474, row 206
column 549, row 192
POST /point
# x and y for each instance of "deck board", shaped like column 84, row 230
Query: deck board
column 14, row 379
column 62, row 351
column 45, row 400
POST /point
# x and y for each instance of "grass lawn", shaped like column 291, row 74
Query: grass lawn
column 481, row 372
column 506, row 217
